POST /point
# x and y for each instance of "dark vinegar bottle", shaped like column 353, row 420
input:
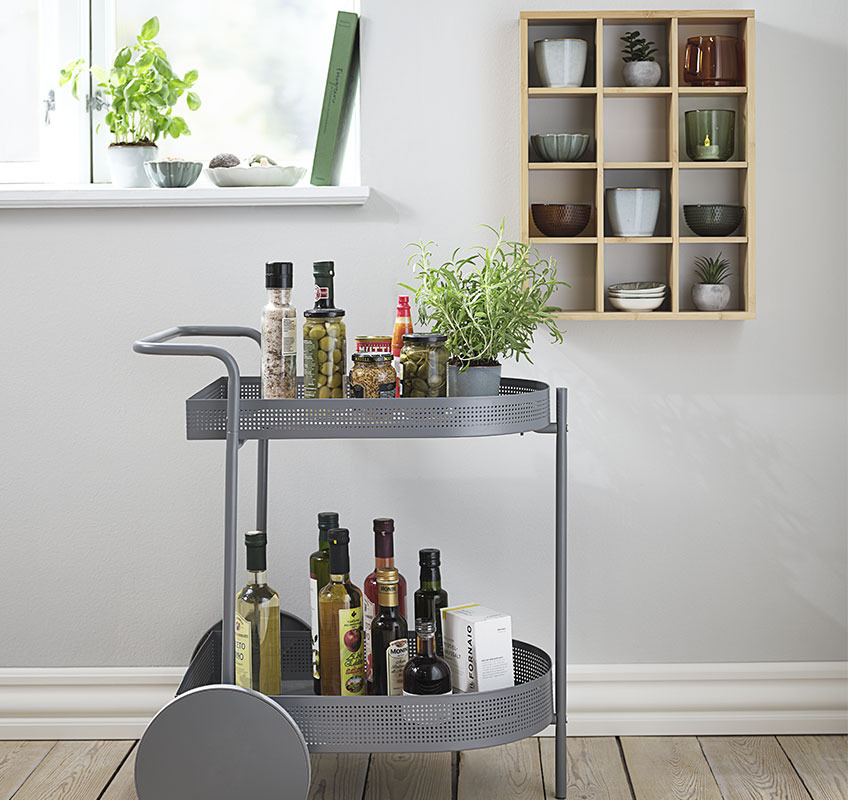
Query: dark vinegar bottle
column 427, row 673
column 389, row 642
column 430, row 599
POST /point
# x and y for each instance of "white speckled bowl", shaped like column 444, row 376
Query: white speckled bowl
column 559, row 146
column 173, row 174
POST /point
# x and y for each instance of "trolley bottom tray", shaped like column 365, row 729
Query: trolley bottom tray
column 399, row 724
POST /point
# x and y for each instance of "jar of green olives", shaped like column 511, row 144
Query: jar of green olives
column 324, row 353
column 424, row 365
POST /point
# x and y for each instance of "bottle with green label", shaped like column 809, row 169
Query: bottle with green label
column 257, row 632
column 340, row 641
column 319, row 577
column 389, row 642
column 324, row 339
column 431, row 598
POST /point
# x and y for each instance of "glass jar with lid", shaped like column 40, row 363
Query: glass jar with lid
column 424, row 365
column 372, row 376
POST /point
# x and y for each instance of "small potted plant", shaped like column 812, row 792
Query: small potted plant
column 143, row 89
column 640, row 69
column 489, row 303
column 710, row 293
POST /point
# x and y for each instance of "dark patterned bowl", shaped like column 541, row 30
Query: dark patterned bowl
column 561, row 219
column 714, row 219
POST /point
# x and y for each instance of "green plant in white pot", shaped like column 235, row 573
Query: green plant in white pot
column 711, row 293
column 489, row 302
column 640, row 69
column 143, row 90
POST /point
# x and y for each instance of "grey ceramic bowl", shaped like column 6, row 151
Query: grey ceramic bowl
column 560, row 146
column 714, row 219
column 173, row 174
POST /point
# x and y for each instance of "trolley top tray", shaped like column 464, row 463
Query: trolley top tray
column 521, row 406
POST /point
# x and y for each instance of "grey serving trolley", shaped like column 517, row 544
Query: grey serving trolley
column 216, row 740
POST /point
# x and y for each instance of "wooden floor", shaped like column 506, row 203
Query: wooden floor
column 629, row 768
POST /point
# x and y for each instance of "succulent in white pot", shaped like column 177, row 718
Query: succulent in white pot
column 142, row 89
column 711, row 293
column 640, row 69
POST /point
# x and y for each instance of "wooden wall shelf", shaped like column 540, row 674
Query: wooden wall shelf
column 637, row 139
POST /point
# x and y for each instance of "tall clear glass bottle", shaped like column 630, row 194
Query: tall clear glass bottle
column 431, row 598
column 389, row 643
column 384, row 556
column 279, row 334
column 319, row 577
column 257, row 630
column 340, row 625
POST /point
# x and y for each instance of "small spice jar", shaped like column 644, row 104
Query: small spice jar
column 424, row 365
column 374, row 344
column 372, row 376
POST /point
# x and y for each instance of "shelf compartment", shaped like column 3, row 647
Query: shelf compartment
column 398, row 724
column 520, row 407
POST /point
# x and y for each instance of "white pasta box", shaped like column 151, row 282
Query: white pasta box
column 478, row 648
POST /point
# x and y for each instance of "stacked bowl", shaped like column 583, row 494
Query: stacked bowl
column 637, row 295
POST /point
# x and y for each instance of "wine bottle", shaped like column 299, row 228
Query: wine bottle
column 384, row 552
column 426, row 673
column 389, row 643
column 340, row 645
column 430, row 599
column 319, row 577
column 257, row 632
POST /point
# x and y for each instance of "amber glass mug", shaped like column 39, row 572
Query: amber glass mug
column 713, row 61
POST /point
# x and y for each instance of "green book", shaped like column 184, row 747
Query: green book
column 338, row 101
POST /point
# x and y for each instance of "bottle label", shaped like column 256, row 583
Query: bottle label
column 397, row 654
column 351, row 657
column 310, row 367
column 369, row 611
column 313, row 607
column 322, row 292
column 289, row 336
column 244, row 670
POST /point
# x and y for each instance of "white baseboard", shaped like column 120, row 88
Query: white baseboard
column 603, row 700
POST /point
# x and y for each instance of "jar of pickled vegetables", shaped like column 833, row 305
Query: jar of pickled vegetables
column 424, row 365
column 324, row 353
column 372, row 375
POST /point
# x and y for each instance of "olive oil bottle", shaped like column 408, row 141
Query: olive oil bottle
column 319, row 577
column 431, row 598
column 257, row 630
column 389, row 643
column 340, row 639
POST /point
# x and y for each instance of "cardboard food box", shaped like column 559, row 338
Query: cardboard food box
column 478, row 648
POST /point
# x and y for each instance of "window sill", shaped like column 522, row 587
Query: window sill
column 107, row 196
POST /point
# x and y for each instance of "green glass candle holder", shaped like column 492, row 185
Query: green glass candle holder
column 710, row 134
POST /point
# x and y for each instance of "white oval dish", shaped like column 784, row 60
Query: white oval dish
column 255, row 176
column 636, row 303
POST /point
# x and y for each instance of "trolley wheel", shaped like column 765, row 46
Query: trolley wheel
column 219, row 742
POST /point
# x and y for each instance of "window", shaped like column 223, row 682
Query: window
column 262, row 67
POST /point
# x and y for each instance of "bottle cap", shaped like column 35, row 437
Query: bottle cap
column 339, row 555
column 278, row 274
column 327, row 520
column 429, row 557
column 256, row 558
column 387, row 575
column 425, row 627
column 339, row 536
column 424, row 338
column 384, row 545
column 371, row 358
column 325, row 268
column 384, row 525
column 403, row 300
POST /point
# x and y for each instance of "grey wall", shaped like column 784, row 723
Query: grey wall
column 708, row 460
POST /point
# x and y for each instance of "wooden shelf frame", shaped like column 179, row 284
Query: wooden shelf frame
column 743, row 169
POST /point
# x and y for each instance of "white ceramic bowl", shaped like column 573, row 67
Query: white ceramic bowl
column 255, row 176
column 561, row 62
column 633, row 212
column 637, row 287
column 636, row 303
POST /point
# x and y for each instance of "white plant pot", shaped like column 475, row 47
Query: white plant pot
column 561, row 62
column 633, row 212
column 126, row 164
column 710, row 296
column 642, row 73
column 474, row 382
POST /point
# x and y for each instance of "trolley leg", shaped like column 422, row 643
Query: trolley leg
column 561, row 577
column 262, row 485
column 228, row 649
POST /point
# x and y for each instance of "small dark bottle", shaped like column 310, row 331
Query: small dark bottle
column 427, row 673
column 430, row 599
column 389, row 642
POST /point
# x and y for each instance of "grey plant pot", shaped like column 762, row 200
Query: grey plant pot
column 710, row 296
column 642, row 73
column 474, row 382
